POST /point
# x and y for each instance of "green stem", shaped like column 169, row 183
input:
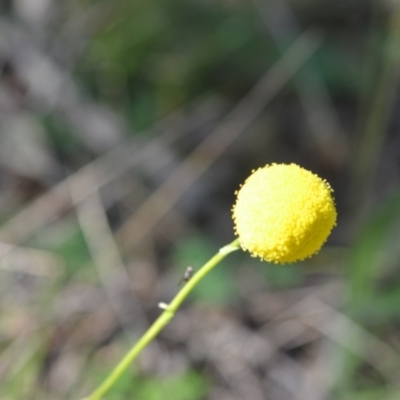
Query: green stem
column 161, row 321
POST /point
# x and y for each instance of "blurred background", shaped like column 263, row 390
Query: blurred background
column 125, row 128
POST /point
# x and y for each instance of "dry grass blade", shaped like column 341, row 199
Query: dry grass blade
column 106, row 168
column 105, row 254
column 342, row 330
column 29, row 261
column 207, row 152
column 325, row 126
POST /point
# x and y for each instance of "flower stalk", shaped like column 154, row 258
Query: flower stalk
column 161, row 321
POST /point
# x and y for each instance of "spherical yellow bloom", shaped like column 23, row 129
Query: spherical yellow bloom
column 283, row 213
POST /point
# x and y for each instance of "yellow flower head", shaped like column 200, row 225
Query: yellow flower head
column 283, row 213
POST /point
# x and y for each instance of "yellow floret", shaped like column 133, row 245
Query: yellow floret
column 283, row 213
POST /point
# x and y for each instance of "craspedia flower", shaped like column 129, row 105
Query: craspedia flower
column 283, row 213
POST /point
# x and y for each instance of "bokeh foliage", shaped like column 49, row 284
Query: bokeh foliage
column 141, row 61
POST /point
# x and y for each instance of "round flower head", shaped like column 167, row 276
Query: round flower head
column 283, row 213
